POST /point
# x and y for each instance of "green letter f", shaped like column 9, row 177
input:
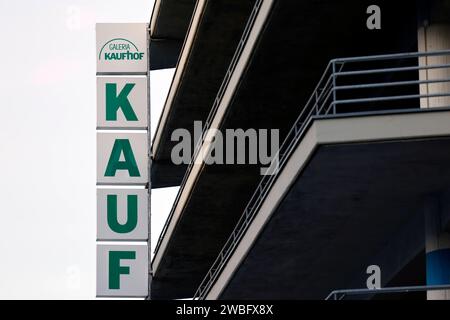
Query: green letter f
column 115, row 269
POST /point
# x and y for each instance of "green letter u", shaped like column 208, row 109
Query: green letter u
column 132, row 214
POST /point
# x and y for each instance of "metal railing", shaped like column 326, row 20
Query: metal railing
column 212, row 113
column 341, row 294
column 348, row 85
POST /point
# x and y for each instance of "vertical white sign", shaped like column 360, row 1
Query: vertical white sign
column 122, row 159
column 122, row 270
column 122, row 214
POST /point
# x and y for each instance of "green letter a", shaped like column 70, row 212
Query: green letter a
column 132, row 213
column 115, row 102
column 114, row 163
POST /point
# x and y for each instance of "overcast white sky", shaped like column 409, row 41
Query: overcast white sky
column 47, row 140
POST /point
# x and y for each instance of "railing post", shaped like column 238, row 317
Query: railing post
column 317, row 101
column 334, row 87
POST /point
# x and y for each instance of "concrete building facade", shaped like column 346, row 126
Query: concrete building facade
column 364, row 121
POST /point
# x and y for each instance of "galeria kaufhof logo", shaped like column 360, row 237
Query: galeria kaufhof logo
column 120, row 49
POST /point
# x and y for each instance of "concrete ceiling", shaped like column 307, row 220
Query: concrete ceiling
column 347, row 206
column 169, row 24
column 214, row 43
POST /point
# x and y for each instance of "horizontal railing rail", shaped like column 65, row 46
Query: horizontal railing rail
column 347, row 75
column 341, row 294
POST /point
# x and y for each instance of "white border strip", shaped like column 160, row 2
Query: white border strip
column 155, row 16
